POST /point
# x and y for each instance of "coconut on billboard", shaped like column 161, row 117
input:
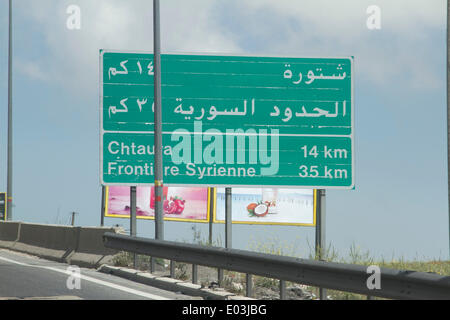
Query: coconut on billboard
column 268, row 206
column 180, row 203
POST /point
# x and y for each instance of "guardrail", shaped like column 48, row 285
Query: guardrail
column 395, row 284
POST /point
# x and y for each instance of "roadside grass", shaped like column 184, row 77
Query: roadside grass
column 267, row 288
column 434, row 266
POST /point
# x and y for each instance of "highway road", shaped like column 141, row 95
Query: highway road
column 27, row 277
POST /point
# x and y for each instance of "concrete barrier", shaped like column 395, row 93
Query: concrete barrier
column 90, row 250
column 82, row 246
column 9, row 234
column 47, row 241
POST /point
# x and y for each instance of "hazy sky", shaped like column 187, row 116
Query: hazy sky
column 399, row 206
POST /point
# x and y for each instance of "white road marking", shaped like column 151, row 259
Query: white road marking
column 90, row 279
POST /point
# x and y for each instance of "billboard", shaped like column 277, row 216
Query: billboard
column 180, row 204
column 3, row 206
column 270, row 206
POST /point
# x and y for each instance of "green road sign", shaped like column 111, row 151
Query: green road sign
column 3, row 206
column 229, row 120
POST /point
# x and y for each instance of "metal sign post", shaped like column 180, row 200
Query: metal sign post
column 10, row 131
column 159, row 218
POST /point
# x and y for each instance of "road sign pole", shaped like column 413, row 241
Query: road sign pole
column 448, row 114
column 133, row 217
column 159, row 218
column 320, row 232
column 10, row 149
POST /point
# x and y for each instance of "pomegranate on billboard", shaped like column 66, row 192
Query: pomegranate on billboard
column 179, row 203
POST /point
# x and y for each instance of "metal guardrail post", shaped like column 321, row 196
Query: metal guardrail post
column 249, row 285
column 220, row 277
column 194, row 274
column 172, row 269
column 152, row 265
column 282, row 290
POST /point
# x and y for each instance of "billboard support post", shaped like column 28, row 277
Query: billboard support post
column 228, row 227
column 211, row 223
column 320, row 233
column 102, row 214
column 228, row 219
column 133, row 217
column 211, row 212
column 3, row 206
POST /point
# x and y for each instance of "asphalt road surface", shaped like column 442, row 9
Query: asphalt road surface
column 27, row 277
